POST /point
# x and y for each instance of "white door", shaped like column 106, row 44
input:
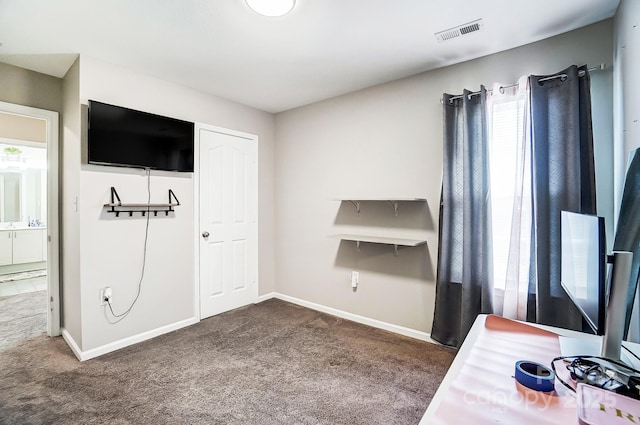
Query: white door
column 228, row 213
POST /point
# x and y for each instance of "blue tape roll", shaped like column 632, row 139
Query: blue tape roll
column 535, row 376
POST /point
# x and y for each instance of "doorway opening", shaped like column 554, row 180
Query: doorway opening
column 29, row 252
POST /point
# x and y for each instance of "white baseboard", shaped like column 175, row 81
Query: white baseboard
column 411, row 333
column 116, row 345
column 265, row 297
column 72, row 344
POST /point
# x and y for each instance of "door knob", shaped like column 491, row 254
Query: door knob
column 205, row 234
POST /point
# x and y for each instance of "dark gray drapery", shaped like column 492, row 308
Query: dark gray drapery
column 628, row 230
column 563, row 179
column 464, row 281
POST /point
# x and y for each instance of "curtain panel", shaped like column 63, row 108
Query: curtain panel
column 464, row 281
column 563, row 179
column 554, row 171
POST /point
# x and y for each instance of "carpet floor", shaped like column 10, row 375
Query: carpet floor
column 22, row 317
column 269, row 363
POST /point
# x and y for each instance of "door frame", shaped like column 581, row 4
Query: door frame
column 53, row 220
column 196, row 208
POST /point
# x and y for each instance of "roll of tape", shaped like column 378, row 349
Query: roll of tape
column 535, row 376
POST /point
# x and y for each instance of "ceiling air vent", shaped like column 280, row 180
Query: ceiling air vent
column 460, row 30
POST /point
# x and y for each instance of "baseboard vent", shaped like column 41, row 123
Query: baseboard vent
column 460, row 30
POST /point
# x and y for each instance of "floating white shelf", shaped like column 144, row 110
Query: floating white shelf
column 381, row 240
column 393, row 200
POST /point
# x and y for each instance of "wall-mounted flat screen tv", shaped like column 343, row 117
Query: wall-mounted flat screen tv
column 127, row 138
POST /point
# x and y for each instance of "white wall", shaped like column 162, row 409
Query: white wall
column 71, row 319
column 18, row 127
column 24, row 87
column 386, row 141
column 626, row 108
column 626, row 87
column 111, row 249
column 383, row 141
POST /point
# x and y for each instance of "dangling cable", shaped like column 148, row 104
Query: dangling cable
column 144, row 256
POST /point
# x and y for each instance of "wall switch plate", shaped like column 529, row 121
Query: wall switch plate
column 355, row 279
column 105, row 295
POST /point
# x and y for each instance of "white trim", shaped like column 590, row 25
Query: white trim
column 266, row 297
column 411, row 333
column 72, row 344
column 196, row 221
column 116, row 345
column 53, row 223
column 222, row 130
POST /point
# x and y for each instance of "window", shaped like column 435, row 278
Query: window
column 510, row 191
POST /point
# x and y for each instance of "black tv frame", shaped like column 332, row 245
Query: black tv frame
column 125, row 137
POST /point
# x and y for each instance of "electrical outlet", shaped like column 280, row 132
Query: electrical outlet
column 105, row 295
column 355, row 279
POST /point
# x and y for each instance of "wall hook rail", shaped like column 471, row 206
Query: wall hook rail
column 117, row 207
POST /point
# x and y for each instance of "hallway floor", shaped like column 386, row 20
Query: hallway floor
column 23, row 286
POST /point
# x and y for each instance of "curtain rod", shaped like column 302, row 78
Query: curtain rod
column 581, row 73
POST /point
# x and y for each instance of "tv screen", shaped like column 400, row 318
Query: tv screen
column 583, row 265
column 127, row 138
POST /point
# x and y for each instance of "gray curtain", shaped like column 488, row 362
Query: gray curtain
column 628, row 230
column 563, row 179
column 464, row 281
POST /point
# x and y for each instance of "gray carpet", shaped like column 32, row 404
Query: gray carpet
column 22, row 317
column 270, row 363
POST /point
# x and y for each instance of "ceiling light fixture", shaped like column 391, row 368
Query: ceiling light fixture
column 271, row 8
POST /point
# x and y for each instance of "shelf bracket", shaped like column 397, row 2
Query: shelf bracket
column 394, row 204
column 358, row 246
column 114, row 196
column 171, row 195
column 356, row 204
column 395, row 250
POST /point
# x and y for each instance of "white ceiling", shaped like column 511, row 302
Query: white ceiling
column 322, row 49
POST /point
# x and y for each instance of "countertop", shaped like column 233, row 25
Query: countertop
column 18, row 227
